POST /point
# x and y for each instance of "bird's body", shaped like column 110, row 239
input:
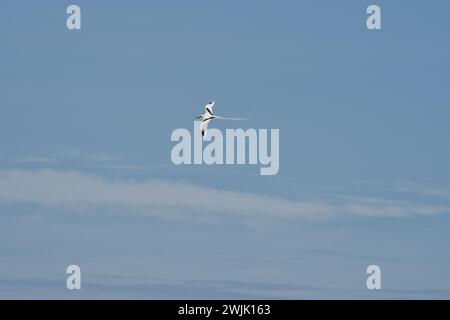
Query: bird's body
column 204, row 127
column 208, row 116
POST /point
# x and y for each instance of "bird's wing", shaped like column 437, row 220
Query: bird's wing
column 209, row 108
column 204, row 127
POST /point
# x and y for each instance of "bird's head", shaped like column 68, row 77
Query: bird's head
column 199, row 117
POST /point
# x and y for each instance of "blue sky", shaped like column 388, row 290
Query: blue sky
column 85, row 170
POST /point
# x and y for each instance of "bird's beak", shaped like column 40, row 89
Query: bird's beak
column 198, row 117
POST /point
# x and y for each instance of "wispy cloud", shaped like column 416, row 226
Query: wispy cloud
column 73, row 189
column 72, row 155
column 427, row 190
column 85, row 156
column 35, row 159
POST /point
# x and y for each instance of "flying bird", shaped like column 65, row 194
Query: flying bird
column 208, row 116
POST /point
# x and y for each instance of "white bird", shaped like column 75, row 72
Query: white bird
column 208, row 116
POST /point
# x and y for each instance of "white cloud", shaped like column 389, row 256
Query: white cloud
column 383, row 207
column 76, row 190
column 84, row 156
column 70, row 188
column 67, row 156
column 427, row 190
column 35, row 159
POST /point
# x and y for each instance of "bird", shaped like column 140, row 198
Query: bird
column 208, row 116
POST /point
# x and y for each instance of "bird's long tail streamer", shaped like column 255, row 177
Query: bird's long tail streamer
column 240, row 119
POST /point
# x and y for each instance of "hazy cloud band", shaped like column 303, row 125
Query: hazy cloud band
column 74, row 189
